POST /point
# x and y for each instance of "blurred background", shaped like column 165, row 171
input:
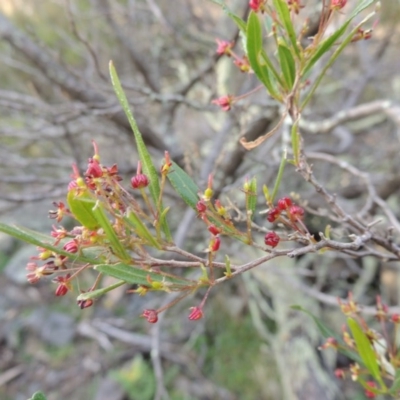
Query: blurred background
column 56, row 96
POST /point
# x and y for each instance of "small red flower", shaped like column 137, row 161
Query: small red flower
column 256, row 5
column 225, row 102
column 243, row 64
column 395, row 318
column 60, row 212
column 58, row 234
column 195, row 314
column 201, row 206
column 296, row 212
column 273, row 215
column 150, row 315
column 167, row 164
column 94, row 169
column 35, row 272
column 339, row 373
column 63, row 285
column 85, row 303
column 272, row 239
column 71, row 246
column 214, row 230
column 224, row 47
column 338, row 4
column 214, row 245
column 284, row 203
column 330, row 342
column 368, row 393
column 139, row 181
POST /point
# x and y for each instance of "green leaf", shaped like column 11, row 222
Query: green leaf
column 295, row 138
column 279, row 177
column 81, row 205
column 38, row 396
column 341, row 46
column 183, row 185
column 147, row 164
column 327, row 332
column 251, row 197
column 324, row 46
column 41, row 240
column 395, row 388
column 288, row 66
column 109, row 231
column 284, row 16
column 141, row 229
column 255, row 50
column 139, row 276
column 365, row 349
column 239, row 22
column 362, row 5
column 94, row 294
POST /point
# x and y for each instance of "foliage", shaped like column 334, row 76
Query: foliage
column 128, row 237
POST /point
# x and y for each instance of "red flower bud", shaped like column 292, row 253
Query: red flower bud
column 225, row 102
column 196, row 313
column 296, row 212
column 395, row 318
column 256, row 5
column 339, row 373
column 273, row 214
column 71, row 246
column 94, row 169
column 368, row 393
column 61, row 290
column 63, row 284
column 272, row 239
column 284, row 203
column 214, row 244
column 139, row 181
column 338, row 4
column 150, row 315
column 85, row 303
column 214, row 230
column 224, row 47
column 201, row 206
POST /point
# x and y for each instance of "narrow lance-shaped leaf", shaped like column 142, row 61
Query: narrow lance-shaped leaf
column 109, row 231
column 295, row 138
column 133, row 275
column 279, row 177
column 333, row 58
column 254, row 52
column 327, row 332
column 147, row 164
column 41, row 240
column 365, row 350
column 81, row 206
column 362, row 5
column 184, row 185
column 395, row 388
column 141, row 229
column 239, row 22
column 94, row 294
column 325, row 45
column 288, row 66
column 284, row 16
column 251, row 197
